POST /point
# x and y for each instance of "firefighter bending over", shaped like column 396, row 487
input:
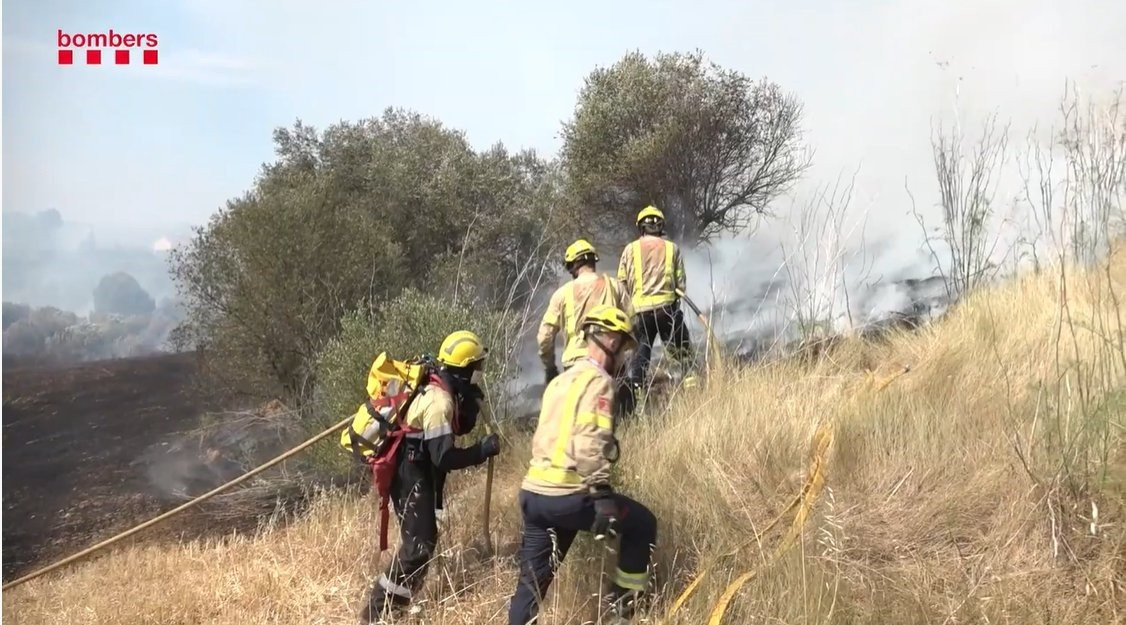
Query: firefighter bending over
column 567, row 487
column 570, row 303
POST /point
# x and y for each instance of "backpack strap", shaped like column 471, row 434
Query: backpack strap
column 441, row 379
column 389, row 427
column 384, row 462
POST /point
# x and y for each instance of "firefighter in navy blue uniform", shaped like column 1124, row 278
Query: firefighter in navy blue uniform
column 443, row 409
column 567, row 487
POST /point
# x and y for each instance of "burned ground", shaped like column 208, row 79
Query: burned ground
column 73, row 436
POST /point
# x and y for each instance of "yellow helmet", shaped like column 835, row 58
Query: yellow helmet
column 611, row 319
column 578, row 249
column 650, row 212
column 461, row 349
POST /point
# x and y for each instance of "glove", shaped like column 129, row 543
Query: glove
column 489, row 446
column 605, row 517
column 549, row 374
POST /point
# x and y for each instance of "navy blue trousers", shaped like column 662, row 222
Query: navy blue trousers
column 550, row 526
column 667, row 323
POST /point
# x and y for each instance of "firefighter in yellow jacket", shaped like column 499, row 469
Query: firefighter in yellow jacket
column 652, row 270
column 570, row 303
column 567, row 487
column 447, row 406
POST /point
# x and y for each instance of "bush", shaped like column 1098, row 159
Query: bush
column 414, row 323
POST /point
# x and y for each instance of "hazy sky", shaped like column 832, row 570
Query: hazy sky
column 168, row 144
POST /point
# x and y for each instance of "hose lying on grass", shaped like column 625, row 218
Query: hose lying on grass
column 177, row 510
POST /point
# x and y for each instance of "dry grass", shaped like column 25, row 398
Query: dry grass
column 964, row 492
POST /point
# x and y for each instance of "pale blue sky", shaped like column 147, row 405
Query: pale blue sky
column 155, row 146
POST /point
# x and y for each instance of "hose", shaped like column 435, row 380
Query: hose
column 713, row 342
column 177, row 510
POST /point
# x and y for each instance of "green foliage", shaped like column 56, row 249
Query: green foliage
column 344, row 220
column 120, row 294
column 412, row 324
column 709, row 146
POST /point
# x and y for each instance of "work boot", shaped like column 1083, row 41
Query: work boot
column 383, row 611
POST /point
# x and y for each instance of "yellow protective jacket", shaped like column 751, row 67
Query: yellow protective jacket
column 574, row 446
column 566, row 309
column 651, row 269
column 432, row 412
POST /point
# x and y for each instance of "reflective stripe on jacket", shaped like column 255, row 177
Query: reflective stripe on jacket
column 431, row 414
column 566, row 309
column 574, row 434
column 652, row 269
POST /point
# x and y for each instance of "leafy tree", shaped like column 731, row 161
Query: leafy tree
column 120, row 294
column 709, row 146
column 514, row 223
column 346, row 219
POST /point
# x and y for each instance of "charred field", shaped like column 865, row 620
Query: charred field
column 78, row 446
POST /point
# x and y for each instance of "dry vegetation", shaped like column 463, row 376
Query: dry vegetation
column 986, row 485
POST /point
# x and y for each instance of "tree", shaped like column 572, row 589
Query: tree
column 709, row 146
column 120, row 294
column 345, row 219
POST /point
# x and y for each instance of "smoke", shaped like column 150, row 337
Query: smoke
column 51, row 270
column 51, row 262
column 196, row 462
column 877, row 83
column 764, row 290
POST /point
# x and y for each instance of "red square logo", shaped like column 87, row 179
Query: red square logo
column 93, row 57
column 150, row 57
column 66, row 57
column 121, row 57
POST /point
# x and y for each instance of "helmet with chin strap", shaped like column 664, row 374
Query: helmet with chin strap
column 606, row 318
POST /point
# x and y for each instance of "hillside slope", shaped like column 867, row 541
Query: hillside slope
column 985, row 485
column 72, row 437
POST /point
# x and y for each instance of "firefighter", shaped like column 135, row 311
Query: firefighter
column 567, row 486
column 570, row 303
column 652, row 270
column 445, row 407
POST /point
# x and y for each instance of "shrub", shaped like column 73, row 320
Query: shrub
column 413, row 323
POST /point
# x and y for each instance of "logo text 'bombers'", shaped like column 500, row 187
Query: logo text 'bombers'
column 120, row 44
